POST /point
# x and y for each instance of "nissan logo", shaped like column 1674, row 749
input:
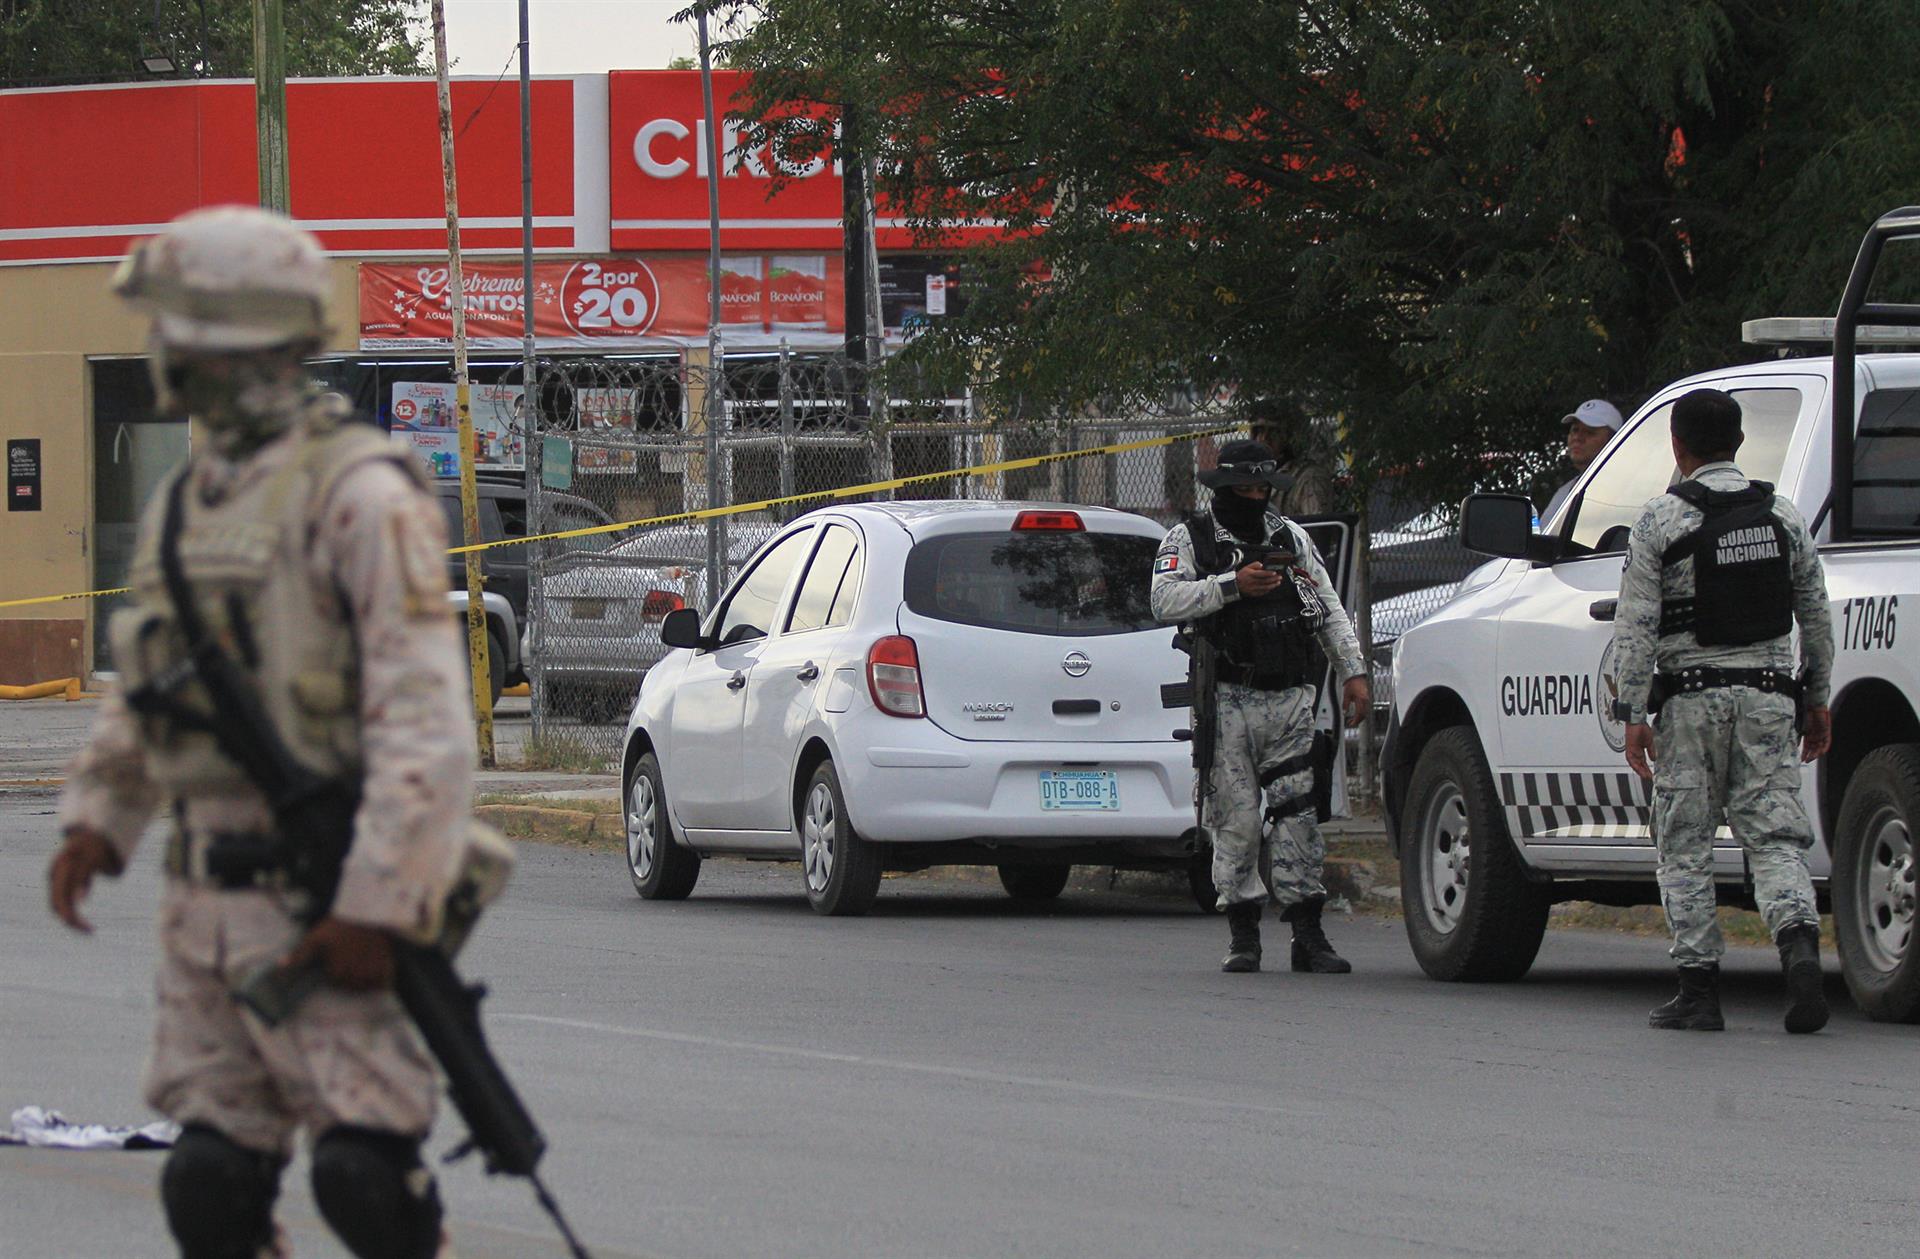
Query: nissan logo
column 1076, row 665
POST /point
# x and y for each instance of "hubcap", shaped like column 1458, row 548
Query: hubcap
column 642, row 805
column 1885, row 899
column 1446, row 849
column 817, row 828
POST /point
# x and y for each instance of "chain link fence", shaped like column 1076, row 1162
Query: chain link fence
column 628, row 439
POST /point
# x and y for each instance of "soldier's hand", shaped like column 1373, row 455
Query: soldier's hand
column 1255, row 580
column 1640, row 749
column 353, row 957
column 85, row 854
column 1356, row 699
column 1819, row 734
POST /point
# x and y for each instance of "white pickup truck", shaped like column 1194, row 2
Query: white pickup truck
column 1506, row 787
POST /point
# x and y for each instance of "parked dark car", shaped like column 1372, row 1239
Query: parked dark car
column 503, row 515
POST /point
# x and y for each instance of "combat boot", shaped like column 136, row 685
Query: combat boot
column 1697, row 1007
column 1800, row 962
column 1312, row 951
column 1243, row 954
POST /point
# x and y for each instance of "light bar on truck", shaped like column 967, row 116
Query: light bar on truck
column 1790, row 330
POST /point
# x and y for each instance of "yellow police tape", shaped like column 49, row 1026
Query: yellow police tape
column 736, row 509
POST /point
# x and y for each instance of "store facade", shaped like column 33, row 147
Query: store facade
column 620, row 233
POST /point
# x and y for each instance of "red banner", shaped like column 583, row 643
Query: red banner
column 608, row 303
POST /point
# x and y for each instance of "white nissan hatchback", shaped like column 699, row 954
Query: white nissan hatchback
column 892, row 686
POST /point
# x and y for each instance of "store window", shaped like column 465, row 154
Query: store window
column 133, row 448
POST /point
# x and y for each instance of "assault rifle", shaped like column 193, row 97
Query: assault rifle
column 1201, row 694
column 313, row 825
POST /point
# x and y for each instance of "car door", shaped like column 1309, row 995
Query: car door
column 790, row 671
column 1561, row 769
column 709, row 705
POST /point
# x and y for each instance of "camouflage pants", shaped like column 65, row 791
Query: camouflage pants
column 1729, row 752
column 342, row 1058
column 1259, row 815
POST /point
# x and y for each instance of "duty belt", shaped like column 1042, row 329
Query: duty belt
column 225, row 859
column 1703, row 678
column 1272, row 680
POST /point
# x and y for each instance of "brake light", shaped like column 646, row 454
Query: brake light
column 1048, row 520
column 657, row 603
column 893, row 677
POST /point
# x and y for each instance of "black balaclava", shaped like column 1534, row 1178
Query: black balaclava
column 1245, row 518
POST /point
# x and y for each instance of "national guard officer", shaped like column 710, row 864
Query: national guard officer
column 1718, row 571
column 315, row 558
column 1252, row 582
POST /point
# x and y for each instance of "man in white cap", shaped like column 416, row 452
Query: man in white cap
column 1590, row 426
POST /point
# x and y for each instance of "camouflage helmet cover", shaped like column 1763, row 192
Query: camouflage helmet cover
column 229, row 278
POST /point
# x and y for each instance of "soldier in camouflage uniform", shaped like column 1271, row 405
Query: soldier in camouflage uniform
column 1715, row 624
column 315, row 555
column 1255, row 584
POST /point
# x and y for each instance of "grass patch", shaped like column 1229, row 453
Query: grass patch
column 570, row 804
column 564, row 754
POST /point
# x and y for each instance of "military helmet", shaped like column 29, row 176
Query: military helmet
column 1245, row 463
column 229, row 278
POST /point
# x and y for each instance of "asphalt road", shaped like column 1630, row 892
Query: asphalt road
column 955, row 1076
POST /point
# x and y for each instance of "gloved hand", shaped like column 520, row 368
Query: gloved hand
column 84, row 854
column 354, row 957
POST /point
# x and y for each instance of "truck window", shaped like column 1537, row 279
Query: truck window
column 1886, row 466
column 1641, row 466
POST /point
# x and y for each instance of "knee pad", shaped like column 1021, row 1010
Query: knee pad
column 375, row 1193
column 219, row 1195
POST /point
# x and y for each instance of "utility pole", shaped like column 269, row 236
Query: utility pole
column 714, row 398
column 270, row 100
column 529, row 413
column 480, row 667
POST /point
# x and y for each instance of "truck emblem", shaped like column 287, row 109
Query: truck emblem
column 1076, row 665
column 1606, row 689
column 986, row 710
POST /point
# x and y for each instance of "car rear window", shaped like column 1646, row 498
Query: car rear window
column 1065, row 583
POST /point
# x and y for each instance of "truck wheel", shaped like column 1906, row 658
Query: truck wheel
column 1873, row 884
column 842, row 869
column 1469, row 910
column 1200, row 879
column 1035, row 883
column 661, row 870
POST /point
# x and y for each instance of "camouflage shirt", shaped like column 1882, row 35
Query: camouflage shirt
column 1636, row 628
column 1180, row 592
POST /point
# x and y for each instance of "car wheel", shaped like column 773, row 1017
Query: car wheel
column 1200, row 879
column 496, row 668
column 1035, row 883
column 1873, row 884
column 661, row 870
column 842, row 870
column 1469, row 910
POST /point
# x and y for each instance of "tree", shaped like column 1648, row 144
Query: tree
column 682, row 62
column 1444, row 223
column 50, row 42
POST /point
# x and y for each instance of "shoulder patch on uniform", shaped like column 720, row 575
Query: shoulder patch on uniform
column 1167, row 562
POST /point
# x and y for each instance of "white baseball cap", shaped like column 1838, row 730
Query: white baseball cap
column 1595, row 413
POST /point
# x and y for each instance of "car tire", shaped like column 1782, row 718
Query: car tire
column 1200, row 879
column 496, row 669
column 1035, row 883
column 840, row 869
column 1487, row 927
column 661, row 869
column 1873, row 884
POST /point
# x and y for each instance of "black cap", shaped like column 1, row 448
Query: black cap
column 1245, row 463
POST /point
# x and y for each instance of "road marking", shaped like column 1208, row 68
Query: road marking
column 1236, row 1104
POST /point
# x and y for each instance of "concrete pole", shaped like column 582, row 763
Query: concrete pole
column 469, row 496
column 270, row 101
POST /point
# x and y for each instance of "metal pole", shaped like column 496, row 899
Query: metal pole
column 529, row 410
column 270, row 101
column 786, row 419
column 713, row 399
column 469, row 496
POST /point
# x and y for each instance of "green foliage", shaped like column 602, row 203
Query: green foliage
column 1444, row 223
column 53, row 42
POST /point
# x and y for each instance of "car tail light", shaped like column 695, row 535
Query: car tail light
column 1048, row 520
column 657, row 603
column 893, row 677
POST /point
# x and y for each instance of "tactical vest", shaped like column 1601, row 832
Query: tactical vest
column 1268, row 639
column 1742, row 569
column 246, row 560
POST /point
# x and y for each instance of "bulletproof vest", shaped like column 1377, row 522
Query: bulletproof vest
column 1742, row 569
column 245, row 558
column 1271, row 636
